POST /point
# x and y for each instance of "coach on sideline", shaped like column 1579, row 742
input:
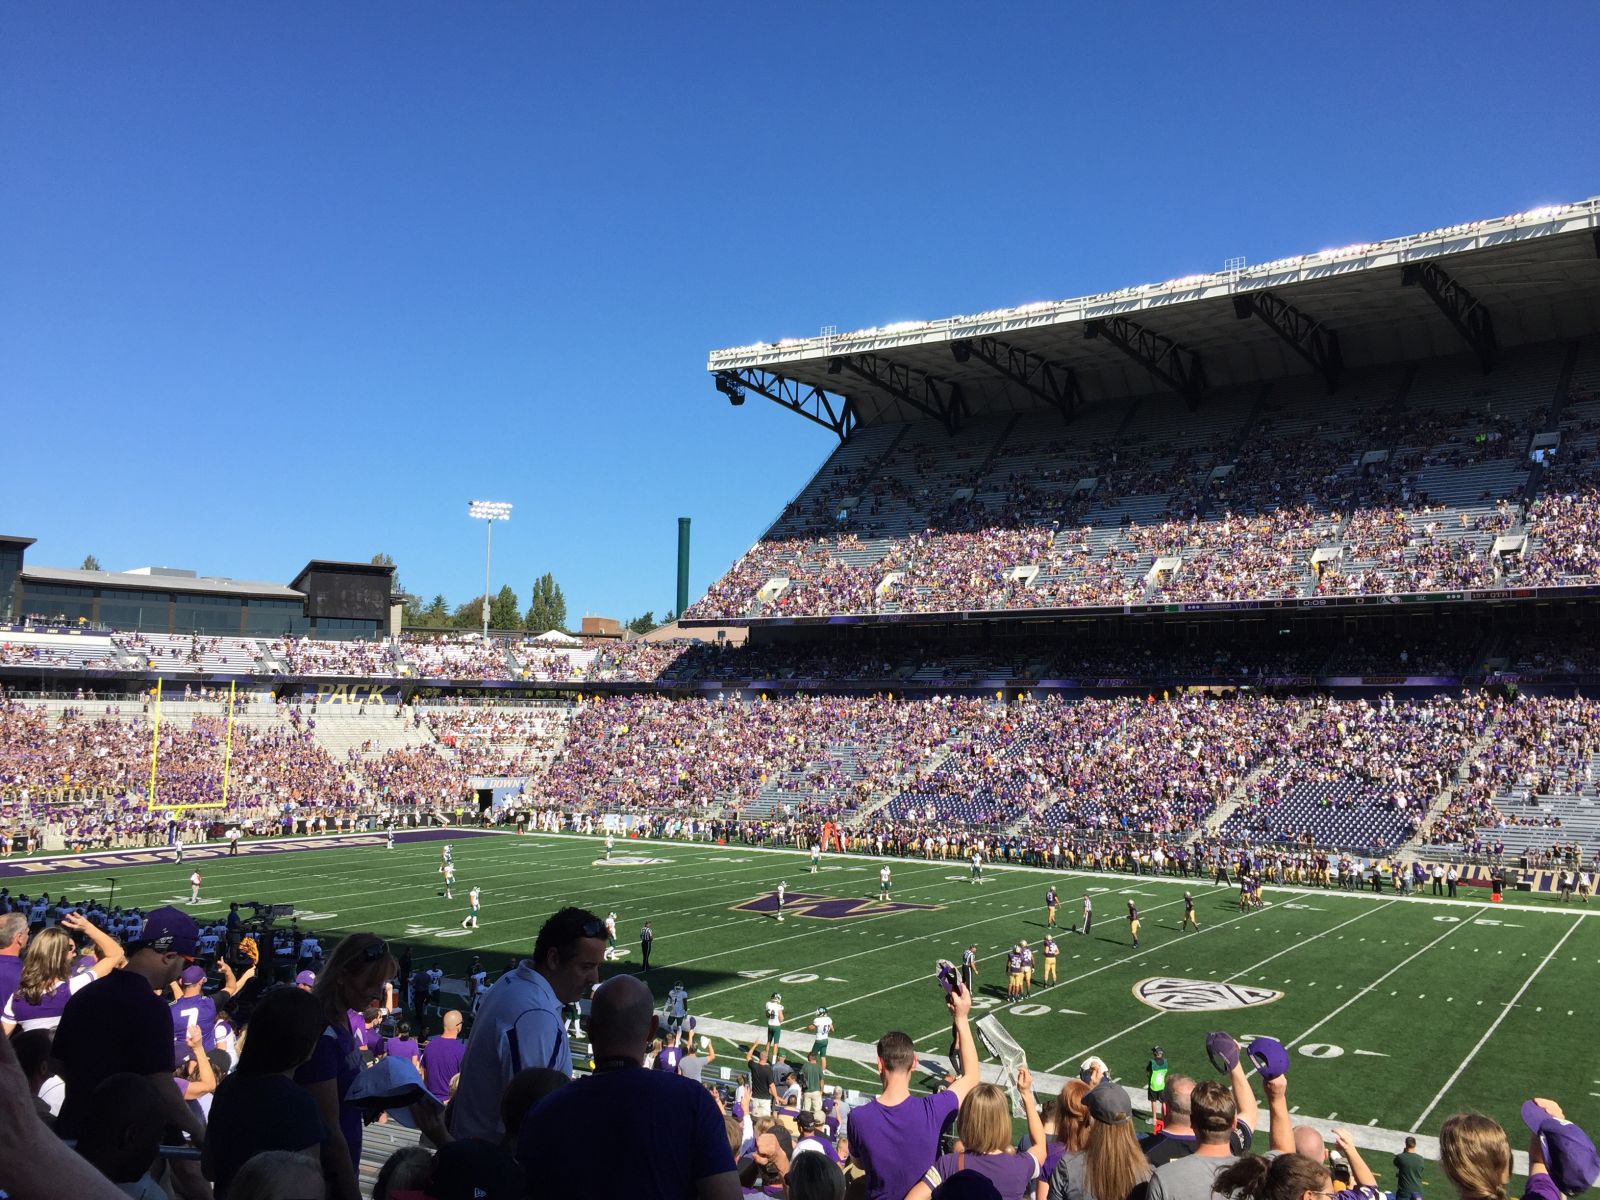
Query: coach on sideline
column 520, row 1022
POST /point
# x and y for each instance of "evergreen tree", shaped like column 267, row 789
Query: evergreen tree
column 437, row 614
column 90, row 563
column 548, row 609
column 503, row 612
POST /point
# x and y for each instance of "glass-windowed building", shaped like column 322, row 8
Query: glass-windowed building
column 335, row 600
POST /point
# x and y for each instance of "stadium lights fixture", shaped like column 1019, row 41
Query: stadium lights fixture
column 488, row 511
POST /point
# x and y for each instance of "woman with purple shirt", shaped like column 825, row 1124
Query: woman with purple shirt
column 48, row 980
column 984, row 1126
column 404, row 1046
column 352, row 979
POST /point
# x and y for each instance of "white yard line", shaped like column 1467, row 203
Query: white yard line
column 1456, row 928
column 1245, row 971
column 1504, row 1012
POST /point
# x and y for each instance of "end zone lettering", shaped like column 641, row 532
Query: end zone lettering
column 828, row 908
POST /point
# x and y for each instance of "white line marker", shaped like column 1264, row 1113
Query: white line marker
column 1488, row 1033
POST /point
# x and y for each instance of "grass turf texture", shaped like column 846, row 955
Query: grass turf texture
column 1398, row 1011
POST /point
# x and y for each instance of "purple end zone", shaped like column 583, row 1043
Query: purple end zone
column 163, row 855
column 828, row 908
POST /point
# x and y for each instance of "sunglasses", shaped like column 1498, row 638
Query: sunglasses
column 376, row 951
column 593, row 928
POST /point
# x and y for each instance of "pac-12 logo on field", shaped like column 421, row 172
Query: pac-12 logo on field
column 630, row 860
column 828, row 908
column 1200, row 995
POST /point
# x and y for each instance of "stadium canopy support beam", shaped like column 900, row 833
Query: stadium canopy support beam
column 1466, row 312
column 1307, row 337
column 938, row 398
column 812, row 403
column 1051, row 382
column 1172, row 363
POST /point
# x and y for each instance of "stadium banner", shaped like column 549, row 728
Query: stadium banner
column 351, row 693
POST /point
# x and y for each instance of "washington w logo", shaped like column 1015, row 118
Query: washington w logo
column 1200, row 995
column 827, row 908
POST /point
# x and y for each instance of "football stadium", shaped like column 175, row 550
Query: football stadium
column 1208, row 656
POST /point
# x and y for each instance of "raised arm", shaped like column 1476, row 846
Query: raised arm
column 959, row 1002
column 1038, row 1140
column 1360, row 1173
column 107, row 950
column 1244, row 1097
column 1278, row 1110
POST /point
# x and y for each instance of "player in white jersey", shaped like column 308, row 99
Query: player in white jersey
column 471, row 920
column 611, row 935
column 977, row 867
column 816, row 857
column 824, row 1027
column 774, row 1026
column 194, row 887
column 677, row 1006
column 885, row 879
column 783, row 889
column 610, row 842
column 449, row 870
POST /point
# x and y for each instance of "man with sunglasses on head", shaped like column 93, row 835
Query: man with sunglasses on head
column 520, row 1023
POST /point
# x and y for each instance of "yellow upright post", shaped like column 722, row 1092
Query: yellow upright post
column 155, row 746
column 227, row 747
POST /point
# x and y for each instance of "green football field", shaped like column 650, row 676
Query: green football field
column 1398, row 1011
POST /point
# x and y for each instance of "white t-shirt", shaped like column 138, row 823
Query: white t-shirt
column 824, row 1027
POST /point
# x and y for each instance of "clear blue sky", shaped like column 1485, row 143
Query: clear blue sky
column 298, row 280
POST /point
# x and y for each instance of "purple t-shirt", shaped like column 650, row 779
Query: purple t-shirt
column 896, row 1145
column 338, row 1057
column 45, row 1013
column 441, row 1062
column 193, row 1010
column 687, row 1139
column 1010, row 1173
column 10, row 973
column 668, row 1059
column 400, row 1048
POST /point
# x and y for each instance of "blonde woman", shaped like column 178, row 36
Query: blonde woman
column 48, row 980
column 1476, row 1154
column 984, row 1126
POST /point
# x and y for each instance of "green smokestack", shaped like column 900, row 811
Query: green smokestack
column 683, row 565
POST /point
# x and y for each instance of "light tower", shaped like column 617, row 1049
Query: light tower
column 488, row 511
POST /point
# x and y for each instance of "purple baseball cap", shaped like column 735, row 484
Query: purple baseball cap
column 1269, row 1056
column 1223, row 1052
column 169, row 930
column 306, row 978
column 194, row 973
column 1568, row 1152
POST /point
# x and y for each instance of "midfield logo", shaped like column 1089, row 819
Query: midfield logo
column 828, row 908
column 1200, row 995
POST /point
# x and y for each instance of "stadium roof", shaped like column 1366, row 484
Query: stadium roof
column 1529, row 277
column 160, row 582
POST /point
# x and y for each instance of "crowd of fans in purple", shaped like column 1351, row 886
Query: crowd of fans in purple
column 147, row 1067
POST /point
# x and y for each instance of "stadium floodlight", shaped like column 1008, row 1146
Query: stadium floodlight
column 488, row 511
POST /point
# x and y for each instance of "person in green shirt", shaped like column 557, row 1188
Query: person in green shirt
column 811, row 1094
column 1157, row 1069
column 1408, row 1172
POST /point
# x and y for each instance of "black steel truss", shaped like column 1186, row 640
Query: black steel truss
column 1308, row 337
column 1169, row 361
column 1466, row 312
column 941, row 399
column 1055, row 384
column 837, row 413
